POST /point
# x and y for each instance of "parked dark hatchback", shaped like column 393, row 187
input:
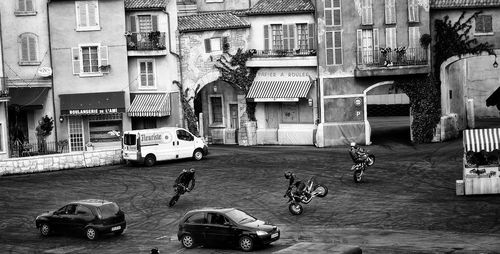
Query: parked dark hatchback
column 223, row 226
column 91, row 217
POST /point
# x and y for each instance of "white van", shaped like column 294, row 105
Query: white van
column 169, row 143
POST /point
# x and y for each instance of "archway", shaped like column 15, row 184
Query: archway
column 386, row 113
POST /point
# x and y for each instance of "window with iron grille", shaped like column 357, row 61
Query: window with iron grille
column 76, row 138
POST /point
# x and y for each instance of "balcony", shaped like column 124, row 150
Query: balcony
column 146, row 44
column 386, row 62
column 283, row 58
column 4, row 90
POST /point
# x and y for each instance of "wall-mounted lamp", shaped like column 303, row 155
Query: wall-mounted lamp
column 310, row 102
column 495, row 64
column 215, row 88
column 61, row 119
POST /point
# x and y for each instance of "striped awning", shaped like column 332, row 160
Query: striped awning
column 267, row 91
column 477, row 140
column 150, row 105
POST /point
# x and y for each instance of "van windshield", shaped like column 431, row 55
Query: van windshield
column 129, row 139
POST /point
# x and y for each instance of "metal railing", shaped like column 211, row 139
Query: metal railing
column 33, row 148
column 283, row 52
column 389, row 57
column 146, row 41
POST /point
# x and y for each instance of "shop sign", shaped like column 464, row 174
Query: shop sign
column 92, row 111
column 276, row 99
column 45, row 71
column 283, row 74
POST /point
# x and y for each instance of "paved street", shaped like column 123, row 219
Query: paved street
column 407, row 203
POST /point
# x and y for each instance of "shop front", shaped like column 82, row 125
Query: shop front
column 286, row 108
column 91, row 118
column 149, row 111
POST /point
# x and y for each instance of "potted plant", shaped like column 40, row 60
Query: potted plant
column 425, row 40
column 89, row 146
column 384, row 52
column 43, row 130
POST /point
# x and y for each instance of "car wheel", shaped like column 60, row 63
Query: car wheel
column 187, row 241
column 119, row 232
column 45, row 229
column 150, row 160
column 198, row 154
column 246, row 243
column 91, row 233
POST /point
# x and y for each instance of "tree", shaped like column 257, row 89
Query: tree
column 189, row 114
column 43, row 130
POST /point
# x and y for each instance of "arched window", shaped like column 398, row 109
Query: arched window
column 28, row 49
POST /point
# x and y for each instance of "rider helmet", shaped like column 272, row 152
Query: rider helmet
column 353, row 144
column 288, row 175
column 184, row 170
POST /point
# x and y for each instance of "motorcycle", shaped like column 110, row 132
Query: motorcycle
column 360, row 164
column 178, row 191
column 312, row 189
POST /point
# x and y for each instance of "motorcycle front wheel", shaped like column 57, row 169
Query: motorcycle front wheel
column 370, row 160
column 173, row 200
column 295, row 209
column 358, row 175
column 322, row 190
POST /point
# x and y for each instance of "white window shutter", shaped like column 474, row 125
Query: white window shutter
column 32, row 48
column 103, row 53
column 359, row 41
column 24, row 49
column 376, row 48
column 75, row 58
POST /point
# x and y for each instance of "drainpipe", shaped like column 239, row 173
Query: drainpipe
column 179, row 57
column 7, row 147
column 52, row 78
column 318, row 79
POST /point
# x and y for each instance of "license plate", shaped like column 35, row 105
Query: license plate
column 116, row 228
column 274, row 235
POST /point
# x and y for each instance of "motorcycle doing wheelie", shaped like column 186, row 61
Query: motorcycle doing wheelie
column 178, row 191
column 362, row 159
column 299, row 193
column 185, row 179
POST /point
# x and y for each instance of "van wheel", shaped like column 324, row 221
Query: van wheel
column 198, row 154
column 150, row 160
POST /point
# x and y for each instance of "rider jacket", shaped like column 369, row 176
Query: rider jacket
column 299, row 185
column 184, row 178
column 358, row 154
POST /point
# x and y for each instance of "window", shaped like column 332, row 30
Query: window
column 366, row 12
column 216, row 108
column 215, row 218
column 484, row 24
column 25, row 7
column 80, row 209
column 390, row 11
column 90, row 60
column 390, row 38
column 413, row 37
column 184, row 135
column 146, row 74
column 334, row 48
column 333, row 13
column 277, row 37
column 368, row 47
column 302, row 36
column 87, row 15
column 145, row 23
column 28, row 49
column 197, row 218
column 76, row 138
column 215, row 44
column 233, row 114
column 413, row 14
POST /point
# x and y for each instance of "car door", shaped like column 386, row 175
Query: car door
column 57, row 219
column 195, row 225
column 63, row 219
column 82, row 218
column 219, row 229
column 185, row 143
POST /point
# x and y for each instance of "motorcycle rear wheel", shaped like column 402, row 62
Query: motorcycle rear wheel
column 173, row 200
column 358, row 176
column 370, row 160
column 295, row 209
column 322, row 190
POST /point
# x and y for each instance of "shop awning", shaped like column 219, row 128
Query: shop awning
column 28, row 97
column 92, row 103
column 150, row 105
column 477, row 140
column 269, row 91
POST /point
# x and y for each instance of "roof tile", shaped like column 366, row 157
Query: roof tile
column 210, row 21
column 281, row 7
column 454, row 4
column 144, row 4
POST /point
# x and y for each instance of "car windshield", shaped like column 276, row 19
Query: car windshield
column 108, row 210
column 240, row 217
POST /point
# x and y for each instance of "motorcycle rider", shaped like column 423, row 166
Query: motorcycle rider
column 185, row 178
column 299, row 185
column 357, row 153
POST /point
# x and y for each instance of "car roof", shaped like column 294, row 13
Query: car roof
column 212, row 209
column 93, row 202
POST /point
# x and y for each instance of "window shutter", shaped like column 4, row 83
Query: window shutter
column 32, row 48
column 75, row 57
column 329, row 48
column 133, row 25
column 338, row 47
column 312, row 36
column 416, row 10
column 24, row 49
column 376, row 48
column 359, row 41
column 93, row 14
column 82, row 14
column 370, row 12
column 488, row 25
column 286, row 39
column 291, row 34
column 154, row 20
column 207, row 45
column 266, row 37
column 104, row 55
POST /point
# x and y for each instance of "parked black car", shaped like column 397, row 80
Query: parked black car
column 223, row 226
column 91, row 217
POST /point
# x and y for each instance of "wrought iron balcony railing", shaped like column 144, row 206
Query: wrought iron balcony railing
column 386, row 57
column 146, row 41
column 283, row 52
